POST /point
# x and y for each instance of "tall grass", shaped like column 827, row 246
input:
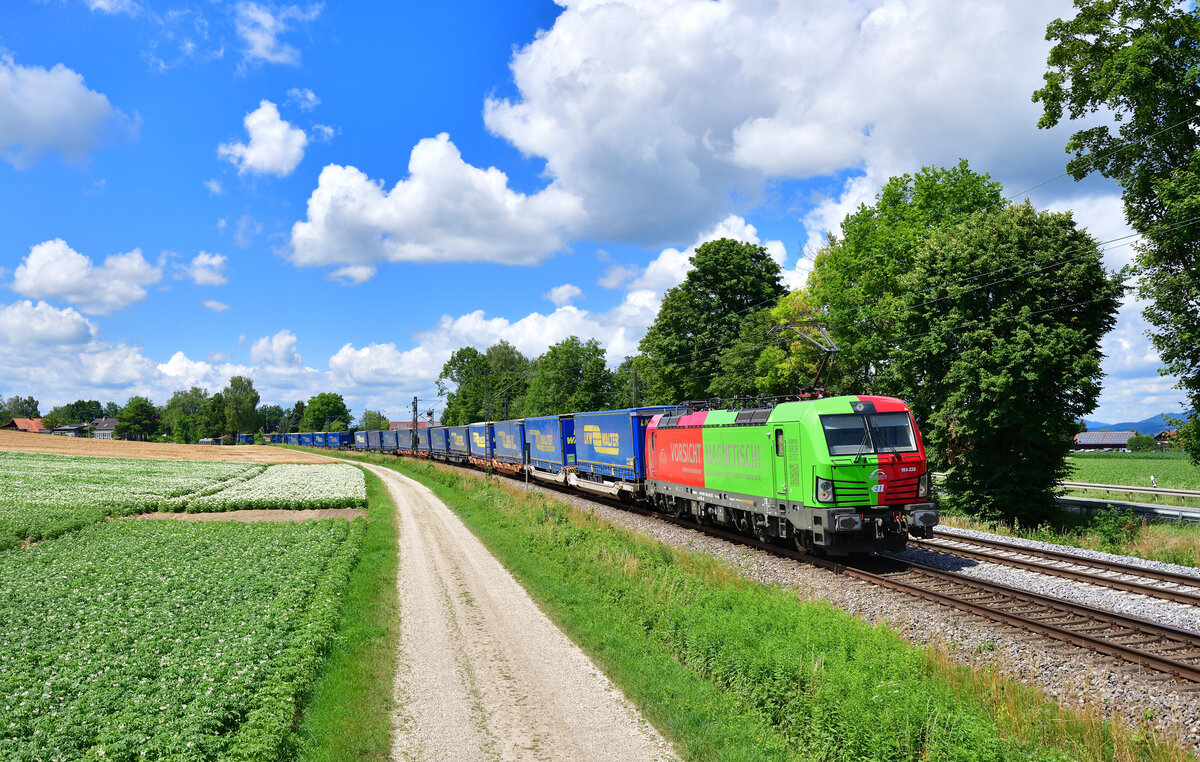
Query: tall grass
column 728, row 668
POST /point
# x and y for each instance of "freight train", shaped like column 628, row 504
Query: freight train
column 832, row 475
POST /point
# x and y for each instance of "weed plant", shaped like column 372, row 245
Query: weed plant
column 732, row 669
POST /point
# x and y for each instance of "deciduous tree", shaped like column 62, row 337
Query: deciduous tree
column 323, row 410
column 1139, row 60
column 184, row 414
column 570, row 376
column 241, row 405
column 374, row 420
column 139, row 419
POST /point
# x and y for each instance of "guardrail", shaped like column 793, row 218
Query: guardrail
column 1134, row 490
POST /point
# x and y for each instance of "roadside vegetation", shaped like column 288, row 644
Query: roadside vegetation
column 728, row 668
column 349, row 713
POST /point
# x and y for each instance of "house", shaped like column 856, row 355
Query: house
column 1103, row 440
column 102, row 428
column 71, row 430
column 1165, row 438
column 25, row 424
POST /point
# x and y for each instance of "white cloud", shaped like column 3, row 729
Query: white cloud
column 205, row 269
column 561, row 295
column 446, row 210
column 53, row 270
column 50, row 110
column 306, row 99
column 214, row 187
column 24, row 323
column 260, row 27
column 275, row 147
column 323, row 133
column 113, row 6
column 1103, row 216
column 616, row 275
column 215, row 306
column 671, row 266
column 278, row 351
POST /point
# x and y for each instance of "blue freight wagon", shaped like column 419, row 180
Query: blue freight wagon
column 404, row 441
column 307, row 439
column 438, row 443
column 389, row 441
column 551, row 444
column 508, row 446
column 318, row 438
column 245, row 439
column 375, row 441
column 292, row 439
column 423, row 444
column 338, row 439
column 360, row 440
column 610, row 449
column 479, row 449
column 458, row 447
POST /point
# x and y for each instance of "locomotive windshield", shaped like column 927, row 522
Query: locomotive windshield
column 853, row 434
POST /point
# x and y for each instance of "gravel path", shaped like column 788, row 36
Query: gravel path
column 483, row 673
column 1072, row 676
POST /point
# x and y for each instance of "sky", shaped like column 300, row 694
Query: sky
column 336, row 196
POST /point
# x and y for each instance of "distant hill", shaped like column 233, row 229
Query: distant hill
column 1150, row 426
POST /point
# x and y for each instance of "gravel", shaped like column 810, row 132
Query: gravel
column 1074, row 677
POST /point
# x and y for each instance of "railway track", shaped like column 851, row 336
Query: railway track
column 1172, row 587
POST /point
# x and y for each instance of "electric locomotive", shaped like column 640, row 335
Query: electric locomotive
column 835, row 475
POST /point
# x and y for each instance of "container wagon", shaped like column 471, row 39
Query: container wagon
column 245, row 439
column 610, row 450
column 360, row 440
column 389, row 441
column 375, row 440
column 458, row 448
column 319, row 438
column 336, row 440
column 292, row 439
column 307, row 439
column 479, row 450
column 423, row 443
column 550, row 442
column 508, row 446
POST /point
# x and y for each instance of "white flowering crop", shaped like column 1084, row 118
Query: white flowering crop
column 325, row 486
column 166, row 640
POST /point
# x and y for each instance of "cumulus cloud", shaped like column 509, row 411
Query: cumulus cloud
column 214, row 187
column 563, row 294
column 671, row 266
column 304, row 98
column 323, row 133
column 204, row 270
column 447, row 210
column 26, row 323
column 260, row 26
column 50, row 111
column 275, row 146
column 215, row 306
column 278, row 351
column 53, row 270
column 113, row 6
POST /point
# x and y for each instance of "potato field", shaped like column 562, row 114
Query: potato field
column 124, row 639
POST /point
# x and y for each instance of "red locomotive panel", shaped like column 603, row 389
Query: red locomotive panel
column 677, row 454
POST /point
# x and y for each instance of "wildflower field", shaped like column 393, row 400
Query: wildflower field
column 44, row 496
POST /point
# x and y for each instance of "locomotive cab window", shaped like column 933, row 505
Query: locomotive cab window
column 853, row 434
column 779, row 442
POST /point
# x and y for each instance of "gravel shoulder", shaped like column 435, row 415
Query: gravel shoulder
column 483, row 672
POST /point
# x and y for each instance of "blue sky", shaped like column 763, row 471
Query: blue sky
column 333, row 197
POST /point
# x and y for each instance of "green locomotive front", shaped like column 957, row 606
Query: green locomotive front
column 837, row 475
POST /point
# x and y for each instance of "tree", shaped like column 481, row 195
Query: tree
column 856, row 282
column 1142, row 443
column 20, row 407
column 111, row 410
column 139, row 419
column 323, row 410
column 184, row 414
column 294, row 416
column 272, row 417
column 374, row 420
column 570, row 376
column 467, row 371
column 241, row 405
column 79, row 411
column 1139, row 60
column 1002, row 317
column 507, row 379
column 214, row 416
column 702, row 316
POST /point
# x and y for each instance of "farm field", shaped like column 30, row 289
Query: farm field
column 1171, row 470
column 17, row 441
column 43, row 496
column 160, row 639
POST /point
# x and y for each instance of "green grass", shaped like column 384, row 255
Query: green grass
column 1171, row 470
column 727, row 668
column 348, row 714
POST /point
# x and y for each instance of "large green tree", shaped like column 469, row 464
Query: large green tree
column 1002, row 318
column 463, row 383
column 19, row 407
column 857, row 280
column 570, row 376
column 139, row 419
column 272, row 417
column 241, row 405
column 1139, row 60
column 184, row 414
column 79, row 411
column 702, row 316
column 506, row 382
column 374, row 420
column 323, row 410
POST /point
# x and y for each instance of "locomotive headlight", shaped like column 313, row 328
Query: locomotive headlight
column 923, row 485
column 824, row 490
column 851, row 522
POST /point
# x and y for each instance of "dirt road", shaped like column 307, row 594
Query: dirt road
column 483, row 673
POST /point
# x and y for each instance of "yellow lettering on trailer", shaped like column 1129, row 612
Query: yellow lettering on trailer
column 608, row 443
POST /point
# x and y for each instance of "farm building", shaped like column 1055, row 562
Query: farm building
column 1164, row 438
column 25, row 424
column 1103, row 440
column 102, row 428
column 71, row 430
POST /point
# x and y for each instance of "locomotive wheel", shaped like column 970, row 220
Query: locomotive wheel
column 803, row 542
column 742, row 522
column 760, row 533
column 675, row 509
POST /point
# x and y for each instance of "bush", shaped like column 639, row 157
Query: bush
column 1142, row 443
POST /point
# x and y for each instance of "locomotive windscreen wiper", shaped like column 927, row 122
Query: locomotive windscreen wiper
column 866, row 440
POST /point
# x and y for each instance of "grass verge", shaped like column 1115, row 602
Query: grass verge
column 348, row 713
column 731, row 669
